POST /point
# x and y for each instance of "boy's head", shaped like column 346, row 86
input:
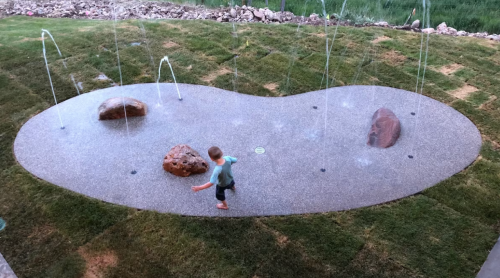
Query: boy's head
column 214, row 153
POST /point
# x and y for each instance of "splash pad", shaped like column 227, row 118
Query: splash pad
column 96, row 158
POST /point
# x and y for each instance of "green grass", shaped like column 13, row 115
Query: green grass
column 445, row 231
column 468, row 15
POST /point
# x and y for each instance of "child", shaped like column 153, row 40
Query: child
column 222, row 176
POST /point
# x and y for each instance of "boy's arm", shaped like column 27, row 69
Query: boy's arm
column 201, row 187
column 213, row 180
column 233, row 159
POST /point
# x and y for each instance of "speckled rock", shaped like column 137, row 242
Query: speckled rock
column 385, row 129
column 112, row 108
column 183, row 161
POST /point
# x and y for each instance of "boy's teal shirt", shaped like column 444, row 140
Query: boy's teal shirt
column 223, row 175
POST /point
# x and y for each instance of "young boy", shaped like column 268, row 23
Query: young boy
column 222, row 176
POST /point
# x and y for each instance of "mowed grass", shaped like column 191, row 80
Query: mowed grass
column 445, row 231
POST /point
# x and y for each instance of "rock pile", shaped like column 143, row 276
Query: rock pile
column 443, row 29
column 105, row 9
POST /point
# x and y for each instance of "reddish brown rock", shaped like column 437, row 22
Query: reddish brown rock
column 385, row 129
column 113, row 108
column 183, row 161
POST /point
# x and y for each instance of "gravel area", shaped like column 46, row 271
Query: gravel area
column 301, row 135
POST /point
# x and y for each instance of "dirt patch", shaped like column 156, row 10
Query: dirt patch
column 434, row 239
column 394, row 57
column 488, row 102
column 174, row 26
column 40, row 233
column 489, row 43
column 381, row 39
column 129, row 27
column 243, row 29
column 86, row 29
column 450, row 69
column 97, row 264
column 282, row 240
column 487, row 138
column 320, row 35
column 212, row 76
column 464, row 92
column 170, row 44
column 30, row 39
column 271, row 87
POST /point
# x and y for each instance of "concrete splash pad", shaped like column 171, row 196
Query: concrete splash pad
column 96, row 158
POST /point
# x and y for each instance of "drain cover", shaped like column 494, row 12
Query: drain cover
column 2, row 224
column 260, row 150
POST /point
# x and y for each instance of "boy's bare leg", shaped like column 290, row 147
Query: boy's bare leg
column 223, row 205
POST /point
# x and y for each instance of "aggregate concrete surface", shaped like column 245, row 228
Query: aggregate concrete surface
column 301, row 135
column 491, row 268
column 5, row 270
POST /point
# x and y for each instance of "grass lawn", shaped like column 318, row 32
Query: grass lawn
column 445, row 231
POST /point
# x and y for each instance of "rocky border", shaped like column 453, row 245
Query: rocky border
column 104, row 10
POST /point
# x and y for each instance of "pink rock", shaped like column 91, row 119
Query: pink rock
column 385, row 129
column 442, row 28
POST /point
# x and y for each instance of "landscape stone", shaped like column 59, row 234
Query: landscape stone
column 442, row 28
column 258, row 15
column 492, row 37
column 381, row 24
column 415, row 24
column 183, row 161
column 248, row 15
column 385, row 129
column 313, row 17
column 428, row 30
column 112, row 108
